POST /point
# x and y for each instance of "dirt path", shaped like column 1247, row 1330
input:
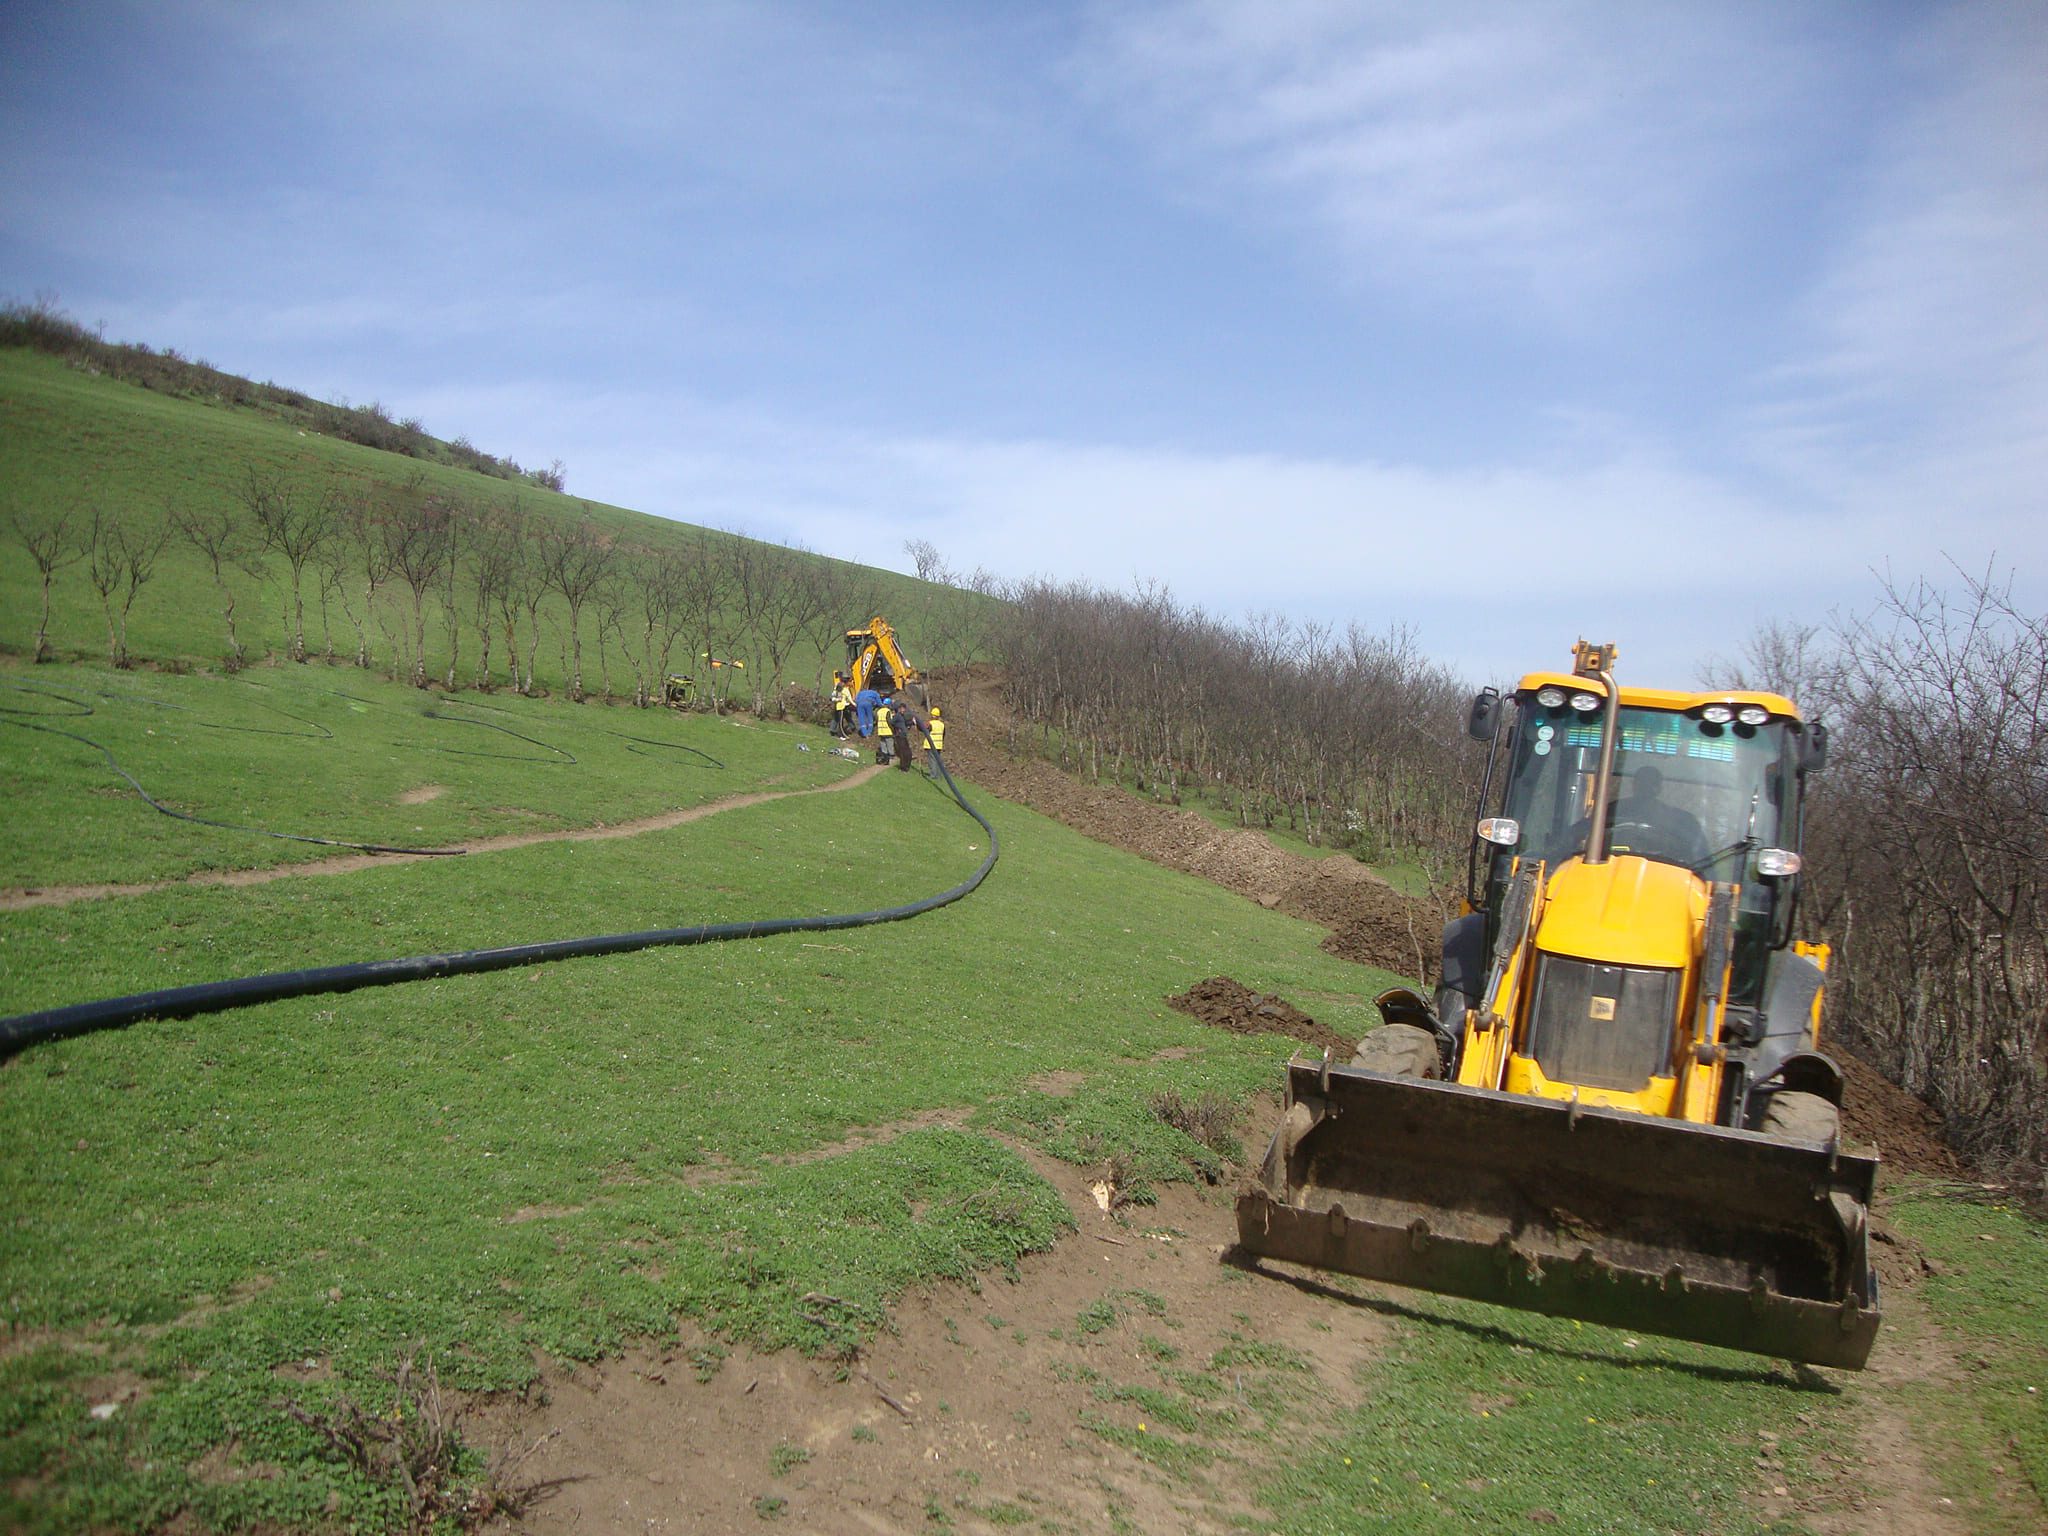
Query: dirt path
column 975, row 1405
column 20, row 899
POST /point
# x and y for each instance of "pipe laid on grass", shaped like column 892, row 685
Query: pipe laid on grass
column 26, row 1029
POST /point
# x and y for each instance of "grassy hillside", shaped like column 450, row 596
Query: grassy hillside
column 219, row 1231
column 74, row 445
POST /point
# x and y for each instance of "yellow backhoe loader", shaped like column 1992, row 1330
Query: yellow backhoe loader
column 1615, row 1107
column 875, row 660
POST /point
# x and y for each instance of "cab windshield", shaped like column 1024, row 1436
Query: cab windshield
column 1685, row 791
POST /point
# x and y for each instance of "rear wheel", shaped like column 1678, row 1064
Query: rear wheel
column 1801, row 1117
column 1399, row 1050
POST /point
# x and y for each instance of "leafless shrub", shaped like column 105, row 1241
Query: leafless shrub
column 416, row 1446
column 222, row 545
column 121, row 556
column 1210, row 1121
column 1339, row 735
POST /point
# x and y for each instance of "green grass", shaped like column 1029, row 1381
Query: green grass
column 1987, row 1302
column 335, row 753
column 1484, row 1420
column 555, row 1159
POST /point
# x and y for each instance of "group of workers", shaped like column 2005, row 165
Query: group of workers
column 891, row 723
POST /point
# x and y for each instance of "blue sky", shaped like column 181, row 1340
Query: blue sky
column 1513, row 322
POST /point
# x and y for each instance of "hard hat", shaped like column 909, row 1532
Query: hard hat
column 937, row 712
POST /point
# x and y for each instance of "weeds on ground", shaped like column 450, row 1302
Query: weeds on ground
column 1112, row 1307
column 1991, row 1258
column 1482, row 1418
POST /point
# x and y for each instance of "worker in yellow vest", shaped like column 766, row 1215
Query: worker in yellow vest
column 842, row 706
column 885, row 730
column 935, row 743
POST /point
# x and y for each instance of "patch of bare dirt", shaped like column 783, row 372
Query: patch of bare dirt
column 973, row 1414
column 1906, row 1132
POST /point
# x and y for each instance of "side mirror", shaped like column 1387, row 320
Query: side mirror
column 1816, row 749
column 1484, row 723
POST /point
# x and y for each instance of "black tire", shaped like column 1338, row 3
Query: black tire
column 1803, row 1117
column 1399, row 1050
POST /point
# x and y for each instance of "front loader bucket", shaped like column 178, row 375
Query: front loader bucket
column 1658, row 1226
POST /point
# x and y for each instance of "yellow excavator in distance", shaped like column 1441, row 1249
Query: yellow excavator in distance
column 875, row 660
column 1615, row 1108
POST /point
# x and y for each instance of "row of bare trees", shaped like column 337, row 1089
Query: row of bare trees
column 1925, row 847
column 1354, row 739
column 413, row 571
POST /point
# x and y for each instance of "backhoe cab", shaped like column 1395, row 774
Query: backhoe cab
column 1615, row 1108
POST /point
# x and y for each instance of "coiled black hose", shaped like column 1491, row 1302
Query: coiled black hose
column 28, row 1029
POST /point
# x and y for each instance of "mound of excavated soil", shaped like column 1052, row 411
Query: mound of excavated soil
column 1231, row 1005
column 1371, row 922
column 1906, row 1133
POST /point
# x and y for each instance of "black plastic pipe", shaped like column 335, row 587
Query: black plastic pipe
column 26, row 1029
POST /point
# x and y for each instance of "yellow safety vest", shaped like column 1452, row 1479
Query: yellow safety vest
column 937, row 731
column 882, row 724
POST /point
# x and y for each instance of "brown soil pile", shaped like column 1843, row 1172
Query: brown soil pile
column 1906, row 1133
column 1231, row 1005
column 1371, row 922
column 1397, row 933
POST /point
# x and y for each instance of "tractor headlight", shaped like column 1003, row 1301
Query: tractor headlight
column 1502, row 831
column 1777, row 861
column 1717, row 714
column 1550, row 697
column 1585, row 703
column 1752, row 714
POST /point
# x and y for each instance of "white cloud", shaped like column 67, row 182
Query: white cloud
column 1490, row 151
column 1922, row 374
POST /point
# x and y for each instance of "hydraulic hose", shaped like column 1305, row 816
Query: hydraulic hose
column 27, row 1029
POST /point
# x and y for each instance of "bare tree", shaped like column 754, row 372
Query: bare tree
column 706, row 584
column 574, row 558
column 293, row 524
column 1929, row 879
column 54, row 541
column 418, row 538
column 1781, row 656
column 660, row 576
column 359, row 556
column 930, row 564
column 120, row 560
column 461, row 538
column 494, row 558
column 219, row 539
